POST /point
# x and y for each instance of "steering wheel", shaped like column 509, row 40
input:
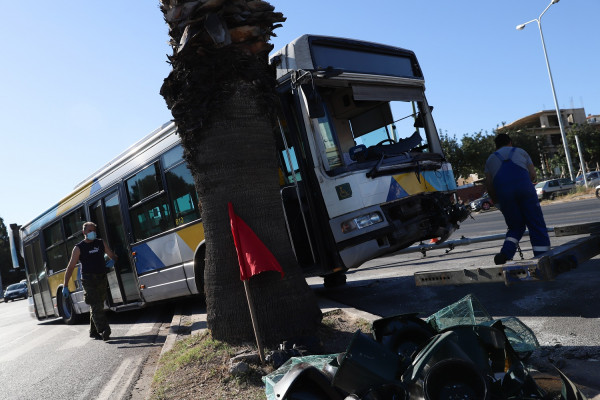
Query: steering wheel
column 392, row 141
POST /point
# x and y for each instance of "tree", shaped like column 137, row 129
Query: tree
column 589, row 140
column 476, row 148
column 221, row 95
column 453, row 154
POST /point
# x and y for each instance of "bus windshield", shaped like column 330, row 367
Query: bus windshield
column 362, row 124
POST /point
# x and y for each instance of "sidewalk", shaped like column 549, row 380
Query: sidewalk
column 190, row 319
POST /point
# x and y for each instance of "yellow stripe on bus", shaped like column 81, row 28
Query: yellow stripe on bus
column 192, row 235
column 74, row 199
column 412, row 185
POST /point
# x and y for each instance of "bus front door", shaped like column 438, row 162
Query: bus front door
column 106, row 213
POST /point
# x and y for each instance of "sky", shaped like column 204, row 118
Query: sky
column 80, row 80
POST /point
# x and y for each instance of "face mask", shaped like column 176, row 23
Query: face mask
column 91, row 235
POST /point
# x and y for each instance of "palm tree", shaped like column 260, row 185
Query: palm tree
column 221, row 95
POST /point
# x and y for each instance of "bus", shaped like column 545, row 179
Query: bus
column 362, row 174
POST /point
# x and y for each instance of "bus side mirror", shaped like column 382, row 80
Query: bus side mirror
column 315, row 103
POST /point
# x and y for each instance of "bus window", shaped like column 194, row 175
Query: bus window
column 56, row 251
column 144, row 184
column 332, row 152
column 73, row 224
column 172, row 156
column 149, row 209
column 180, row 185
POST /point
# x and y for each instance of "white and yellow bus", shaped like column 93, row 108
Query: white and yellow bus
column 362, row 174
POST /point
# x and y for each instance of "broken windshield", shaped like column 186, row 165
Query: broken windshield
column 365, row 123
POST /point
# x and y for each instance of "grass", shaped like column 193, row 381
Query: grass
column 198, row 368
column 196, row 349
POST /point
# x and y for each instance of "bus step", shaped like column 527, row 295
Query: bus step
column 130, row 306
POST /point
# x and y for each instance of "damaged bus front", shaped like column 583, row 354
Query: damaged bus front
column 363, row 170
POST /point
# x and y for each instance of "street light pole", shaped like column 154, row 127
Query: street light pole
column 558, row 114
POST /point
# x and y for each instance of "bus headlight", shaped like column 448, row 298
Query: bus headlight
column 361, row 222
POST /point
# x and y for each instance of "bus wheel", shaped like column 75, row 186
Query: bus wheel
column 65, row 308
column 335, row 279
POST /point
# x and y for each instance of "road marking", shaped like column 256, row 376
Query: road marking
column 109, row 388
column 17, row 351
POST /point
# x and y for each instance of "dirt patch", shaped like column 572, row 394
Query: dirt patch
column 198, row 367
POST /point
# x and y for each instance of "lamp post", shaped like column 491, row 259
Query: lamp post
column 560, row 121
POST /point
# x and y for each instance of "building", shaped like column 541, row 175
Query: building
column 544, row 125
column 593, row 119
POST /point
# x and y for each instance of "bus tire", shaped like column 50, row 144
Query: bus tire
column 335, row 279
column 199, row 263
column 66, row 310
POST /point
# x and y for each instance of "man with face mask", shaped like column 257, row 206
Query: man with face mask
column 90, row 252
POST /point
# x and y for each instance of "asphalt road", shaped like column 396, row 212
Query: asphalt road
column 562, row 313
column 51, row 360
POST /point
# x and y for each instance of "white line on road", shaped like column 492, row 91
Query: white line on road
column 109, row 388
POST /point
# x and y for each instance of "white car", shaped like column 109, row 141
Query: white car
column 552, row 188
column 593, row 179
column 598, row 191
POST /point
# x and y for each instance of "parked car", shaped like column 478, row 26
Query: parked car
column 554, row 187
column 598, row 191
column 483, row 203
column 15, row 291
column 593, row 179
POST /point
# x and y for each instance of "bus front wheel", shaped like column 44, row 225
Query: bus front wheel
column 66, row 310
column 335, row 279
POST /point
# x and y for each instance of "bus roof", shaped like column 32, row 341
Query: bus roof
column 314, row 53
column 135, row 156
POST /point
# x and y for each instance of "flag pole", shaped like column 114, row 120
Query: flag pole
column 261, row 352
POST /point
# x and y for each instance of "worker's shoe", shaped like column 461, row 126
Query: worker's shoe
column 500, row 258
column 106, row 335
column 95, row 335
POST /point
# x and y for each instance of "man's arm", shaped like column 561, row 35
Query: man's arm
column 489, row 184
column 72, row 262
column 109, row 252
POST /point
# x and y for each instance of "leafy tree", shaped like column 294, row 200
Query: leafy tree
column 221, row 95
column 589, row 140
column 476, row 148
column 454, row 155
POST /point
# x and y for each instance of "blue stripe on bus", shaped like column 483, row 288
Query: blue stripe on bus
column 396, row 191
column 146, row 259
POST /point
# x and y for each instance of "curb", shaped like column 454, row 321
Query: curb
column 192, row 320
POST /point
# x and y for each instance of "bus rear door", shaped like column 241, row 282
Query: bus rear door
column 106, row 213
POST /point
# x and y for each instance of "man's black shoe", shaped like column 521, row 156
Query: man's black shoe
column 95, row 335
column 106, row 335
column 500, row 259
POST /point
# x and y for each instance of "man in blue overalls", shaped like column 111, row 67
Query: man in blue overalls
column 509, row 174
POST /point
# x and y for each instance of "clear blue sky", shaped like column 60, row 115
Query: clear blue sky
column 80, row 80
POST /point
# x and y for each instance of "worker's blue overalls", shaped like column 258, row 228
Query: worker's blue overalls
column 520, row 206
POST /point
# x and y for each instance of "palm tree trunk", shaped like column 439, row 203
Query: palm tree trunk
column 221, row 97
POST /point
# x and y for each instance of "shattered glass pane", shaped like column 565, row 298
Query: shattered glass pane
column 469, row 311
column 466, row 311
column 318, row 361
column 520, row 336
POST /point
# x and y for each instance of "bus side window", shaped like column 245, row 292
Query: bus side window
column 182, row 190
column 148, row 203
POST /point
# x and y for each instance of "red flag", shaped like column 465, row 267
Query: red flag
column 253, row 255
